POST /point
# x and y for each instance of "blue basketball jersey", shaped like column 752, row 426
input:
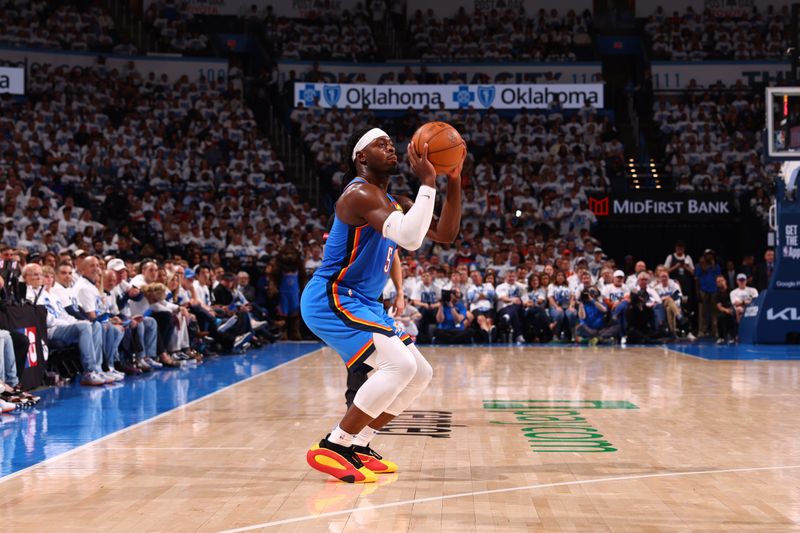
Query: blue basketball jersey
column 340, row 303
column 357, row 258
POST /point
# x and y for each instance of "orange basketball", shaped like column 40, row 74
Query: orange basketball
column 445, row 145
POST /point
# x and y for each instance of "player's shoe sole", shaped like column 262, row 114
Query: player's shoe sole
column 373, row 460
column 337, row 465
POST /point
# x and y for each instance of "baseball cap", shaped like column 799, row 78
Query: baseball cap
column 188, row 273
column 116, row 265
column 598, row 250
column 619, row 274
column 79, row 252
column 741, row 276
column 709, row 251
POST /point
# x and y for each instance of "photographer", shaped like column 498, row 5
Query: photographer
column 594, row 325
column 452, row 320
column 642, row 314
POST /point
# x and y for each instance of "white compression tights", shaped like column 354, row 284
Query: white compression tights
column 401, row 374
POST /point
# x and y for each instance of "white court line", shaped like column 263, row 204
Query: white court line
column 500, row 491
column 148, row 448
column 692, row 355
column 143, row 422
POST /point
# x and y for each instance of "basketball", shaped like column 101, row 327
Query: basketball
column 445, row 145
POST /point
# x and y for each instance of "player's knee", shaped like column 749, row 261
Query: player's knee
column 406, row 368
column 424, row 373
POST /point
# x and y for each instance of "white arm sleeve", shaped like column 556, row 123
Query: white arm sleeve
column 408, row 230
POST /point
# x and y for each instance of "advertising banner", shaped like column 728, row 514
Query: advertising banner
column 452, row 96
column 676, row 75
column 174, row 67
column 474, row 73
column 12, row 80
column 663, row 207
column 787, row 275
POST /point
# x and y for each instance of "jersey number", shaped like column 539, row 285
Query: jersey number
column 388, row 259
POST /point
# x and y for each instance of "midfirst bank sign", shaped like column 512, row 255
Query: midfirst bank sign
column 665, row 206
column 399, row 97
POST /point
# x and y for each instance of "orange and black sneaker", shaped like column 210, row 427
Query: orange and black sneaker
column 373, row 460
column 340, row 462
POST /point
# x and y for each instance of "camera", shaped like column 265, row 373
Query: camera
column 587, row 295
column 447, row 296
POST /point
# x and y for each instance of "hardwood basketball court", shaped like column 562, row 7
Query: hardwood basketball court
column 506, row 439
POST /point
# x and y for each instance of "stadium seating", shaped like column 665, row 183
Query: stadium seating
column 500, row 35
column 699, row 36
column 64, row 25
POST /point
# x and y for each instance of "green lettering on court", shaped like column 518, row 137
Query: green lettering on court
column 554, row 425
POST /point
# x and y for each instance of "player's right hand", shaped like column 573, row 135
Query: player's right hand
column 421, row 166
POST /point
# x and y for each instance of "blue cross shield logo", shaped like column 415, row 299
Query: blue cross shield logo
column 463, row 96
column 486, row 95
column 331, row 94
column 308, row 95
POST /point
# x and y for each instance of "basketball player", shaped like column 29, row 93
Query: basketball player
column 340, row 303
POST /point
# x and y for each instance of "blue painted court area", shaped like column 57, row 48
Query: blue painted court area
column 739, row 352
column 71, row 416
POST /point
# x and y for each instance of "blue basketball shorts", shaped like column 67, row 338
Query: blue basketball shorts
column 346, row 320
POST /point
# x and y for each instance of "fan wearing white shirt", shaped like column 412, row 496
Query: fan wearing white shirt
column 64, row 329
column 653, row 299
column 563, row 316
column 426, row 299
column 91, row 304
column 509, row 304
column 670, row 293
column 480, row 297
column 617, row 297
column 633, row 280
column 742, row 295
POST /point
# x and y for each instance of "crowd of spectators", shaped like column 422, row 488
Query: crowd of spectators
column 103, row 161
column 522, row 286
column 124, row 318
column 75, row 25
column 322, row 35
column 761, row 33
column 712, row 142
column 170, row 22
column 526, row 169
column 500, row 35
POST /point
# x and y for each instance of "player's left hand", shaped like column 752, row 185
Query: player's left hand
column 399, row 304
column 455, row 172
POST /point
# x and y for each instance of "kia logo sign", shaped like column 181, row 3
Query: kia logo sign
column 599, row 206
column 789, row 313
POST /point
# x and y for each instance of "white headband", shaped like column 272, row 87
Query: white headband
column 367, row 138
